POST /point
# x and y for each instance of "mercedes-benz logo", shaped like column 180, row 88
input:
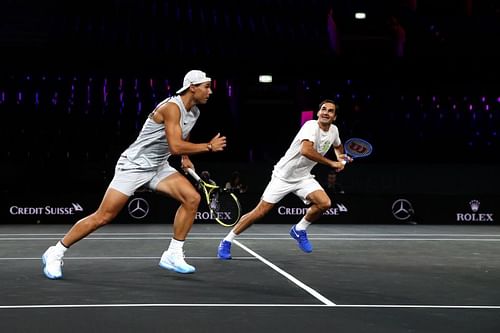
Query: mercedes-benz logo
column 402, row 209
column 138, row 208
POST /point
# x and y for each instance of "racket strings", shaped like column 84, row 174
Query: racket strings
column 227, row 208
column 213, row 201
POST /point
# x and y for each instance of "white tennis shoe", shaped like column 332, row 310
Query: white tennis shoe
column 174, row 261
column 52, row 263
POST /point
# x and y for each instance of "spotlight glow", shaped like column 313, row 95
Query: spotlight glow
column 360, row 15
column 265, row 78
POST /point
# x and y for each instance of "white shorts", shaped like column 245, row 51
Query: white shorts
column 277, row 189
column 128, row 181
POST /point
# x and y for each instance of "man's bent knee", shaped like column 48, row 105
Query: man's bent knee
column 100, row 219
column 193, row 201
column 324, row 205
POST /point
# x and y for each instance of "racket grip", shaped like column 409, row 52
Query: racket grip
column 347, row 159
column 193, row 174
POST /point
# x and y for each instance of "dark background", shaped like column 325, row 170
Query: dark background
column 77, row 80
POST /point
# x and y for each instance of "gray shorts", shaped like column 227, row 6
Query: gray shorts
column 128, row 180
column 277, row 189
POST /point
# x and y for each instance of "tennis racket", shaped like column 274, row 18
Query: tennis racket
column 224, row 206
column 357, row 147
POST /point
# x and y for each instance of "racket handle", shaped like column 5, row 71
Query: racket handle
column 193, row 174
column 347, row 159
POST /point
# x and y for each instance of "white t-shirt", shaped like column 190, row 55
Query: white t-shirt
column 293, row 167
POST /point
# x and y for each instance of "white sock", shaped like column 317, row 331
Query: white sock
column 302, row 225
column 230, row 236
column 60, row 248
column 176, row 245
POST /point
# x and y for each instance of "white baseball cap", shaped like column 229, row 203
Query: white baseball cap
column 193, row 77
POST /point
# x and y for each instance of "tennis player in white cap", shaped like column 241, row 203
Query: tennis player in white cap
column 145, row 163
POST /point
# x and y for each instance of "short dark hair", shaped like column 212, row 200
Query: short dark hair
column 334, row 102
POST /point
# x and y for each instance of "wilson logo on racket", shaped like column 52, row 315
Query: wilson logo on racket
column 356, row 147
column 360, row 149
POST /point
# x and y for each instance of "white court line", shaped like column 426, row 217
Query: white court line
column 166, row 234
column 240, row 305
column 122, row 234
column 123, row 258
column 287, row 238
column 302, row 285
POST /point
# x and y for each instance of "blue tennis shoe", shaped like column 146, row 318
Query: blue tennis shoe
column 301, row 237
column 224, row 250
